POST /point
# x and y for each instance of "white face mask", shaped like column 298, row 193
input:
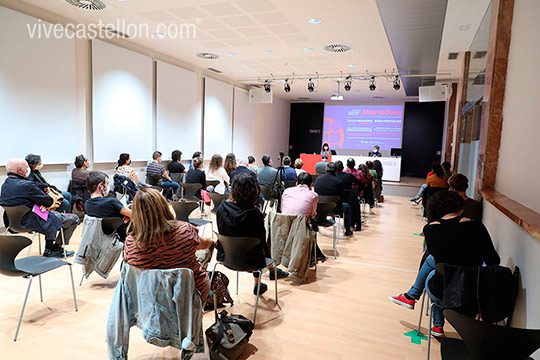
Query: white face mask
column 105, row 191
column 28, row 171
column 39, row 167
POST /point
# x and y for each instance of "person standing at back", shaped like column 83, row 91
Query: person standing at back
column 267, row 174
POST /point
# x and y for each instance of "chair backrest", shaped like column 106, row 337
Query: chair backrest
column 487, row 341
column 323, row 209
column 213, row 183
column 217, row 199
column 235, row 250
column 182, row 209
column 177, row 177
column 15, row 215
column 10, row 246
column 429, row 192
column 331, row 199
column 289, row 184
column 153, row 180
column 109, row 226
column 190, row 190
column 265, row 191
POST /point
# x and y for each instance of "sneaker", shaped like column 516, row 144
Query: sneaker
column 348, row 233
column 262, row 290
column 57, row 253
column 280, row 274
column 403, row 301
column 437, row 331
column 414, row 201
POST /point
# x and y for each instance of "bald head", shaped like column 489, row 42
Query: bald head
column 18, row 165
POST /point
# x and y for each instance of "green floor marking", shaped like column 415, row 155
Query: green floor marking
column 418, row 234
column 416, row 337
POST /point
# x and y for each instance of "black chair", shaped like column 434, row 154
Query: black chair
column 485, row 341
column 235, row 250
column 265, row 192
column 428, row 193
column 217, row 199
column 212, row 183
column 335, row 214
column 178, row 178
column 153, row 181
column 182, row 209
column 28, row 267
column 15, row 215
column 323, row 209
column 190, row 190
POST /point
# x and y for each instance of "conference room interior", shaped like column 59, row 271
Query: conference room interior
column 423, row 80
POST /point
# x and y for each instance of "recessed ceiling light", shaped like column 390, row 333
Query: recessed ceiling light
column 267, row 51
column 307, row 49
column 231, row 54
column 314, row 21
column 241, row 70
column 159, row 35
column 207, row 56
column 336, row 97
column 351, row 65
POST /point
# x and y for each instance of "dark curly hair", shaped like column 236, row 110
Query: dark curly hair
column 443, row 203
column 244, row 190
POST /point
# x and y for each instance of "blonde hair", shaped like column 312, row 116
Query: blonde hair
column 298, row 163
column 151, row 218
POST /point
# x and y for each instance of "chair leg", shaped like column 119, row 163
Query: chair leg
column 40, row 289
column 39, row 243
column 22, row 311
column 275, row 281
column 63, row 242
column 82, row 279
column 30, row 248
column 315, row 251
column 257, row 300
column 237, row 281
column 73, row 289
column 429, row 329
column 421, row 312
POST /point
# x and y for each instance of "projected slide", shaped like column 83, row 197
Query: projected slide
column 359, row 127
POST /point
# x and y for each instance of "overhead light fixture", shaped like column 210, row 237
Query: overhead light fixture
column 267, row 51
column 310, row 86
column 241, row 70
column 231, row 54
column 160, row 35
column 337, row 96
column 287, row 87
column 307, row 49
column 348, row 82
column 88, row 4
column 207, row 56
column 267, row 86
column 397, row 83
column 314, row 21
column 352, row 65
column 372, row 85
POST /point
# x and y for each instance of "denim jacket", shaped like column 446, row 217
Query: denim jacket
column 164, row 304
column 97, row 252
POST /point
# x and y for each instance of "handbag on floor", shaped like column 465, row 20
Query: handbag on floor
column 228, row 336
column 219, row 286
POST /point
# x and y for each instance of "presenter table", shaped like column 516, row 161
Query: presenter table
column 391, row 165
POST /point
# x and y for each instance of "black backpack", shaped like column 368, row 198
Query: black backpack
column 228, row 336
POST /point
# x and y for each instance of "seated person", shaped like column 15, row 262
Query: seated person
column 239, row 217
column 18, row 191
column 80, row 173
column 367, row 181
column 288, row 173
column 437, row 179
column 175, row 166
column 34, row 161
column 230, row 163
column 103, row 207
column 298, row 165
column 302, row 200
column 267, row 174
column 330, row 185
column 156, row 169
column 124, row 169
column 446, row 166
column 472, row 209
column 320, row 167
column 351, row 163
column 217, row 172
column 251, row 164
column 158, row 241
column 376, row 151
column 450, row 239
column 197, row 176
column 350, row 197
column 416, row 200
column 196, row 154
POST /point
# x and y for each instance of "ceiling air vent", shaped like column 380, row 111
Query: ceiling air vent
column 214, row 70
column 88, row 4
column 207, row 56
column 118, row 33
column 453, row 55
column 338, row 48
column 379, row 97
column 479, row 54
column 303, row 99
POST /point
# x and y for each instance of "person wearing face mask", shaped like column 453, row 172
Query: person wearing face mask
column 34, row 161
column 156, row 169
column 19, row 190
column 124, row 169
column 376, row 151
column 103, row 207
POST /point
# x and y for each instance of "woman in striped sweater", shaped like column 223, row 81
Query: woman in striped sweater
column 158, row 241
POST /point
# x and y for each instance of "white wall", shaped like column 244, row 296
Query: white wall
column 271, row 130
column 518, row 171
column 243, row 123
column 218, row 117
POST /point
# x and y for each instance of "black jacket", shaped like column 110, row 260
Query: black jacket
column 35, row 175
column 329, row 185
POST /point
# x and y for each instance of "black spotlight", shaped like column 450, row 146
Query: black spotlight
column 397, row 83
column 267, row 87
column 287, row 87
column 347, row 86
column 310, row 86
column 372, row 86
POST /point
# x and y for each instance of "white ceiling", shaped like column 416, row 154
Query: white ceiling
column 249, row 27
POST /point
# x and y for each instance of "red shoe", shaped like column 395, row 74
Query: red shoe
column 403, row 301
column 437, row 331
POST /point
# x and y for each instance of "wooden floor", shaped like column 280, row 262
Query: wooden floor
column 341, row 313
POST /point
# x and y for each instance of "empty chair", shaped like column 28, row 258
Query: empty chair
column 212, row 183
column 190, row 190
column 183, row 209
column 235, row 250
column 28, row 267
column 485, row 341
column 15, row 215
